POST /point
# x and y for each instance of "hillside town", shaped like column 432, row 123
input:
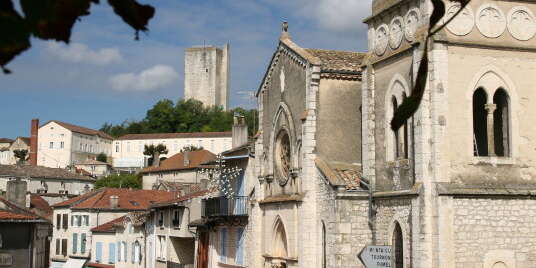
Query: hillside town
column 323, row 179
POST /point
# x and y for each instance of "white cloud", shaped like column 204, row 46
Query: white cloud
column 80, row 53
column 342, row 15
column 153, row 78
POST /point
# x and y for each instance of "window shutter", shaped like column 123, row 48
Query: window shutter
column 119, row 251
column 125, row 250
column 75, row 242
column 98, row 252
column 111, row 254
column 65, row 221
column 240, row 247
column 58, row 247
column 223, row 239
column 58, row 221
column 83, row 243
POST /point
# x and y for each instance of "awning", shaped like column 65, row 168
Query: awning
column 75, row 263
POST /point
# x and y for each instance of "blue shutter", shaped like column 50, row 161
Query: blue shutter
column 133, row 254
column 240, row 246
column 223, row 241
column 111, row 253
column 83, row 243
column 125, row 248
column 98, row 252
column 118, row 251
column 75, row 242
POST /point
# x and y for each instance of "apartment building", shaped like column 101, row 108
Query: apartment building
column 62, row 144
column 128, row 150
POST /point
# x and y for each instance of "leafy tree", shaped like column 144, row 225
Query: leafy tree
column 155, row 152
column 120, row 181
column 102, row 157
column 54, row 20
column 191, row 148
column 21, row 155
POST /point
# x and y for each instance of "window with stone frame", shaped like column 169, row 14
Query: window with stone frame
column 398, row 247
column 491, row 123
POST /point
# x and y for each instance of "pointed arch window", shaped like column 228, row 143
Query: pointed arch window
column 491, row 123
column 280, row 248
column 398, row 247
column 501, row 123
column 480, row 126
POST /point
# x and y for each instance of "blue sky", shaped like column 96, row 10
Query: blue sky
column 106, row 76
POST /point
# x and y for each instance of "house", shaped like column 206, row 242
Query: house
column 77, row 218
column 52, row 184
column 7, row 148
column 23, row 233
column 225, row 212
column 95, row 168
column 128, row 149
column 179, row 168
column 171, row 231
column 62, row 144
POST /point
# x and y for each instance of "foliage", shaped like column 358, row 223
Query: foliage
column 21, row 155
column 102, row 157
column 183, row 116
column 54, row 20
column 120, row 181
column 191, row 148
column 410, row 105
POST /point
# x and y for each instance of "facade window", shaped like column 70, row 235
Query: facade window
column 111, row 253
column 161, row 219
column 83, row 243
column 398, row 247
column 491, row 124
column 75, row 242
column 85, row 220
column 62, row 144
column 119, row 252
column 98, row 252
column 125, row 251
column 64, row 247
column 161, row 248
column 58, row 246
column 58, row 221
column 223, row 244
column 240, row 243
column 51, row 145
column 65, row 221
column 128, row 147
column 117, row 148
column 176, row 218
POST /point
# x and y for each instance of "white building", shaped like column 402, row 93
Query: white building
column 62, row 144
column 6, row 149
column 128, row 149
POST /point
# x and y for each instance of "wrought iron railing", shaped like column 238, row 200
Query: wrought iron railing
column 225, row 206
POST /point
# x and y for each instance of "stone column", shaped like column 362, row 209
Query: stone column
column 490, row 107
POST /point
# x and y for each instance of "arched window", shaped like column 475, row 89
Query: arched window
column 406, row 133
column 501, row 123
column 280, row 248
column 396, row 140
column 480, row 126
column 398, row 247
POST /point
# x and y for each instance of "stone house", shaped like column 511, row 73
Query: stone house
column 95, row 168
column 307, row 208
column 180, row 168
column 453, row 187
column 5, row 153
column 7, row 148
column 75, row 218
column 128, row 149
column 23, row 233
column 52, row 184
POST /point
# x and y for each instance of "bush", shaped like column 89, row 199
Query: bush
column 120, row 181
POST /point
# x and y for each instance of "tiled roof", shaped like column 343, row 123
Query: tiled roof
column 108, row 227
column 99, row 265
column 154, row 136
column 127, row 199
column 81, row 130
column 137, row 218
column 181, row 198
column 41, row 205
column 11, row 212
column 6, row 140
column 341, row 174
column 25, row 140
column 176, row 162
column 40, row 172
column 337, row 60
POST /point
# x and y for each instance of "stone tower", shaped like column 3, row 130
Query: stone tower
column 206, row 75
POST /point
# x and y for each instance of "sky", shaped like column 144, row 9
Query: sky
column 104, row 75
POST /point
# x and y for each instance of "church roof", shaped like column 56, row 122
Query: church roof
column 337, row 60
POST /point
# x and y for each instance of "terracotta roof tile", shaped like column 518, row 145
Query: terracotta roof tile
column 41, row 172
column 176, row 162
column 11, row 212
column 337, row 60
column 128, row 199
column 108, row 227
column 149, row 136
column 341, row 174
column 181, row 198
column 75, row 199
column 40, row 204
column 82, row 130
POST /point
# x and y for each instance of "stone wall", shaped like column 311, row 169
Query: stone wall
column 491, row 230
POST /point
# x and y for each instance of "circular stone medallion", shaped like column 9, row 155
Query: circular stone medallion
column 490, row 21
column 413, row 18
column 396, row 32
column 521, row 23
column 463, row 24
column 381, row 39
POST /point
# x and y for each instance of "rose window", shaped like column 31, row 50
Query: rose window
column 283, row 157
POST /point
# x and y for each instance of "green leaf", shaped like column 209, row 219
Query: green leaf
column 133, row 13
column 15, row 36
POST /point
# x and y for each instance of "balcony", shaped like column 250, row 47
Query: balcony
column 225, row 206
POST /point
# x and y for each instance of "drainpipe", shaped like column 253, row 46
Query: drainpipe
column 371, row 208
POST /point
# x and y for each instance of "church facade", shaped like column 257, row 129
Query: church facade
column 454, row 187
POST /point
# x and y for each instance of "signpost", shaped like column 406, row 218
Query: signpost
column 376, row 256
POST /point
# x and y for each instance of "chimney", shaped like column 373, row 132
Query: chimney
column 16, row 192
column 240, row 131
column 114, row 201
column 186, row 155
column 33, row 141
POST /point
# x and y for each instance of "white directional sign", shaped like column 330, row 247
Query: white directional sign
column 376, row 256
